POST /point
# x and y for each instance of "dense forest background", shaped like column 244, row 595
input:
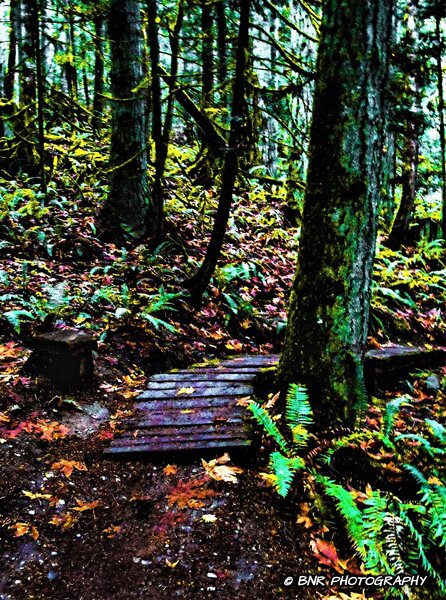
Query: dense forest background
column 163, row 168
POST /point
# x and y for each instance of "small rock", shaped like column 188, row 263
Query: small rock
column 433, row 383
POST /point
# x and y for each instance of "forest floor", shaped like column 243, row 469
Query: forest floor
column 76, row 525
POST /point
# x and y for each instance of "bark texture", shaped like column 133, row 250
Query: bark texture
column 127, row 201
column 329, row 306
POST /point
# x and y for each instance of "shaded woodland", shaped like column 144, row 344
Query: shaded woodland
column 190, row 180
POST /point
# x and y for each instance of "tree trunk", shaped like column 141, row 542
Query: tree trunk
column 126, row 206
column 400, row 233
column 27, row 60
column 439, row 43
column 207, row 56
column 37, row 51
column 14, row 18
column 329, row 307
column 98, row 100
column 199, row 282
column 155, row 215
column 222, row 54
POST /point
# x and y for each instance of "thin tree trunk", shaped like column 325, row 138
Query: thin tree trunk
column 14, row 18
column 199, row 282
column 400, row 233
column 439, row 41
column 126, row 207
column 155, row 215
column 175, row 52
column 329, row 307
column 207, row 56
column 222, row 54
column 27, row 60
column 98, row 100
column 40, row 91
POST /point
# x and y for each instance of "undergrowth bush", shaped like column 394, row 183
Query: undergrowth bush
column 391, row 535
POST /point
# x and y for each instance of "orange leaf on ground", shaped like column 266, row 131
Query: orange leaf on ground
column 190, row 494
column 65, row 521
column 83, row 506
column 170, row 470
column 67, row 466
column 327, row 554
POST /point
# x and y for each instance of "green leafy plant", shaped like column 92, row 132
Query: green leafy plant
column 286, row 462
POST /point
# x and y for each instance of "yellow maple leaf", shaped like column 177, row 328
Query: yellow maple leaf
column 67, row 466
column 170, row 470
column 185, row 390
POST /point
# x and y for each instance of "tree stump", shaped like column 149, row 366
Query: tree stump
column 65, row 357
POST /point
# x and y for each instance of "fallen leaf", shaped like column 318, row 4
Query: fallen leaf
column 172, row 565
column 170, row 470
column 20, row 528
column 304, row 517
column 190, row 494
column 185, row 390
column 112, row 530
column 216, row 469
column 64, row 521
column 4, row 418
column 327, row 554
column 246, row 401
column 209, row 518
column 83, row 506
column 37, row 495
column 67, row 466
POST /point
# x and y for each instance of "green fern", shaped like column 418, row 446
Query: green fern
column 391, row 411
column 284, row 469
column 437, row 429
column 264, row 419
column 424, row 443
column 299, row 415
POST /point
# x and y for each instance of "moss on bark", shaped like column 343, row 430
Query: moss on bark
column 329, row 306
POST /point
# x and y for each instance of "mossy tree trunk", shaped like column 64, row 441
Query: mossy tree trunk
column 126, row 205
column 329, row 307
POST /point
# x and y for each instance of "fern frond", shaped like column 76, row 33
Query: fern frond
column 416, row 474
column 394, row 549
column 298, row 409
column 284, row 469
column 265, row 420
column 437, row 429
column 424, row 443
column 346, row 505
column 420, row 545
column 391, row 412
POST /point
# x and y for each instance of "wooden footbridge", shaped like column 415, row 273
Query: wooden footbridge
column 200, row 408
